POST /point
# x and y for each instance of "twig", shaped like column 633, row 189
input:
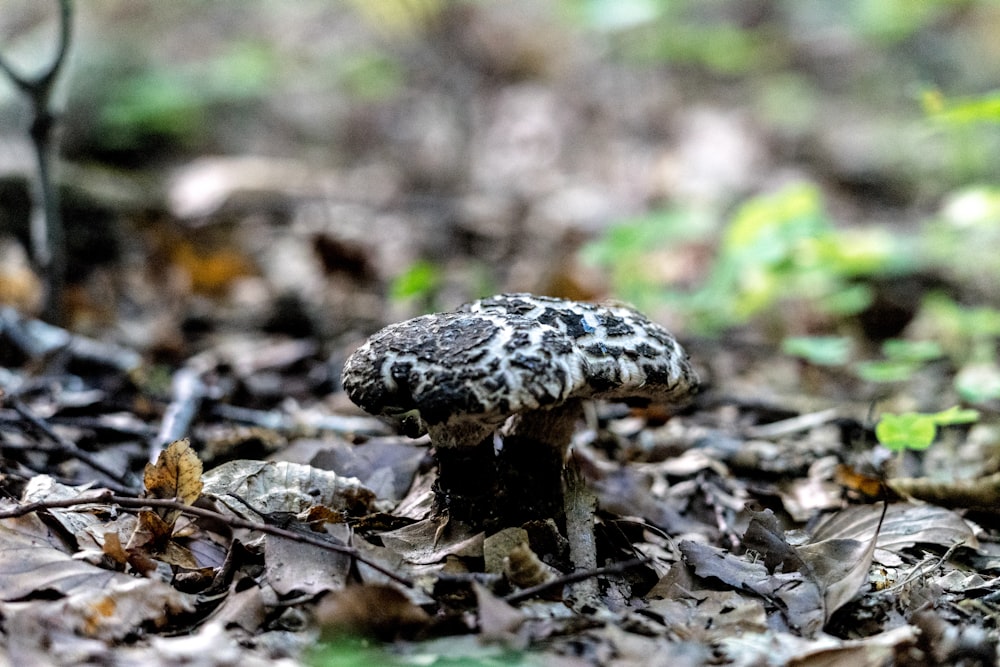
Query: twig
column 792, row 425
column 38, row 339
column 48, row 238
column 922, row 568
column 187, row 390
column 309, row 421
column 68, row 447
column 572, row 578
column 580, row 505
column 108, row 497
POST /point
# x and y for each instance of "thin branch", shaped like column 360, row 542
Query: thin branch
column 69, row 447
column 40, row 87
column 187, row 390
column 105, row 496
column 48, row 237
column 572, row 578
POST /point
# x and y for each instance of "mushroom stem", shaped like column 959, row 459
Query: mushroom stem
column 531, row 462
column 467, row 481
column 553, row 427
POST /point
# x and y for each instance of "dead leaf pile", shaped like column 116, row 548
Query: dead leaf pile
column 714, row 545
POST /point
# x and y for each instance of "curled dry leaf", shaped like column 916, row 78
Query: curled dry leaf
column 175, row 475
column 800, row 598
column 905, row 525
column 524, row 568
column 280, row 486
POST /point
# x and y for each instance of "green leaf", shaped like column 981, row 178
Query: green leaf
column 887, row 370
column 962, row 111
column 910, row 430
column 978, row 381
column 955, row 415
column 819, row 350
column 421, row 279
column 912, row 350
column 917, row 430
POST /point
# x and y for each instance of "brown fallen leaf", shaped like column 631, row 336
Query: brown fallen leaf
column 840, row 565
column 794, row 592
column 370, row 610
column 982, row 493
column 905, row 525
column 175, row 475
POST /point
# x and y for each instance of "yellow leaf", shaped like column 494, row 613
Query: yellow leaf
column 175, row 475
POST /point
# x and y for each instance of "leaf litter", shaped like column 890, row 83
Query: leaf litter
column 747, row 530
column 698, row 556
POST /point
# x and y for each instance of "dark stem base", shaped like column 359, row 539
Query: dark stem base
column 530, row 480
column 523, row 483
column 466, row 488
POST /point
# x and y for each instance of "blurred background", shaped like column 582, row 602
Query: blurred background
column 776, row 168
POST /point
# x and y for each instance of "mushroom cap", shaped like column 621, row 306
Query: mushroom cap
column 469, row 369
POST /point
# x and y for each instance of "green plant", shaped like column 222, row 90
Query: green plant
column 785, row 246
column 819, row 350
column 918, row 430
column 352, row 652
column 370, row 76
column 678, row 32
column 970, row 127
column 357, row 652
column 628, row 251
column 779, row 247
column 959, row 111
column 967, row 226
column 147, row 103
column 420, row 281
column 902, row 359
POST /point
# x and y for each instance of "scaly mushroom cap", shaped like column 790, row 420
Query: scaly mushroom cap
column 462, row 373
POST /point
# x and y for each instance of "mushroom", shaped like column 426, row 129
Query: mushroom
column 460, row 375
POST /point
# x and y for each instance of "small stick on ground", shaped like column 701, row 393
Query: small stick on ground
column 187, row 391
column 68, row 447
column 580, row 506
column 105, row 496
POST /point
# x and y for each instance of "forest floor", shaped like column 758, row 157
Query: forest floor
column 186, row 482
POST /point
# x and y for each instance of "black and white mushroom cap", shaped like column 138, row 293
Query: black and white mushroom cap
column 461, row 374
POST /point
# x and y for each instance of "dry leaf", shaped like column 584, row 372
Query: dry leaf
column 370, row 610
column 34, row 561
column 905, row 525
column 297, row 567
column 278, row 486
column 836, row 565
column 113, row 549
column 150, row 531
column 421, row 544
column 175, row 475
column 793, row 591
column 840, row 568
column 113, row 610
column 498, row 621
column 982, row 493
